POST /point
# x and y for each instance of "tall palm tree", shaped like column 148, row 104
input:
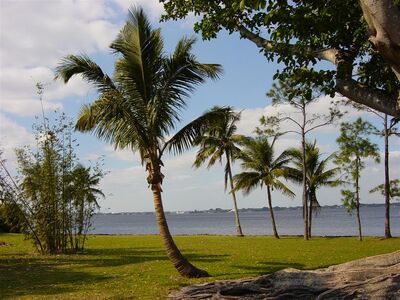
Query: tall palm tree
column 317, row 174
column 220, row 141
column 140, row 106
column 258, row 157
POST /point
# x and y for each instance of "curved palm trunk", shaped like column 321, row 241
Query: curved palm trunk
column 387, row 181
column 184, row 267
column 239, row 231
column 272, row 212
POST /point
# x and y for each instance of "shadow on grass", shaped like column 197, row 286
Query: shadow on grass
column 263, row 268
column 20, row 277
column 22, row 274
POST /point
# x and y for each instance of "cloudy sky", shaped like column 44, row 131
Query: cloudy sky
column 36, row 34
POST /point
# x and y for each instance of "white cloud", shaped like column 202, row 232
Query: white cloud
column 153, row 7
column 27, row 107
column 44, row 31
column 122, row 154
column 12, row 136
column 35, row 35
column 19, row 94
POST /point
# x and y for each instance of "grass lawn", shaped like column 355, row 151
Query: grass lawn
column 135, row 267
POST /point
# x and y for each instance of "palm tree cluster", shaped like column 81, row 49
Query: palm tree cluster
column 262, row 168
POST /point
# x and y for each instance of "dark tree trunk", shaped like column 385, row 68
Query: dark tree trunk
column 387, row 180
column 184, row 267
column 310, row 215
column 271, row 211
column 239, row 231
column 304, row 181
column 358, row 201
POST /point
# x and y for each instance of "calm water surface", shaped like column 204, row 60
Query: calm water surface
column 330, row 222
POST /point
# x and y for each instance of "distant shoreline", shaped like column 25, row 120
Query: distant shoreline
column 223, row 210
column 235, row 236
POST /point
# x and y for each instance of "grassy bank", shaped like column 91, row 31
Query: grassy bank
column 135, row 267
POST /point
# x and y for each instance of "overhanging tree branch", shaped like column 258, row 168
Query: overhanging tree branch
column 345, row 85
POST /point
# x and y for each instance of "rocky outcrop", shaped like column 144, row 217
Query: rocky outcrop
column 376, row 277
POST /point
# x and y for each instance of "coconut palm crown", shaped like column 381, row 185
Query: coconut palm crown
column 264, row 169
column 317, row 174
column 140, row 105
column 218, row 142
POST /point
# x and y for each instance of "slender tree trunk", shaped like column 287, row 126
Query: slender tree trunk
column 387, row 180
column 358, row 202
column 310, row 215
column 304, row 181
column 271, row 211
column 235, row 209
column 184, row 267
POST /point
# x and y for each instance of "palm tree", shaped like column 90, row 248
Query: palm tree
column 219, row 141
column 317, row 174
column 258, row 157
column 85, row 194
column 140, row 106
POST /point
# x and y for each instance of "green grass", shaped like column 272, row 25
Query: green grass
column 135, row 267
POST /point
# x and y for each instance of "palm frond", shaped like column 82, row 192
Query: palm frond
column 247, row 182
column 203, row 154
column 227, row 169
column 279, row 185
column 314, row 202
column 181, row 73
column 73, row 65
column 110, row 121
column 189, row 134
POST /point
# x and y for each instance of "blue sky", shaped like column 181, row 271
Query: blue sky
column 36, row 34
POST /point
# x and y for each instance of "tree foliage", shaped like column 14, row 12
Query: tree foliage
column 394, row 190
column 318, row 174
column 262, row 169
column 354, row 148
column 300, row 96
column 60, row 194
column 301, row 33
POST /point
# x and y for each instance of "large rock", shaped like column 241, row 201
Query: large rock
column 376, row 277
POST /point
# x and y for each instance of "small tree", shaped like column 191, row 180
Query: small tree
column 11, row 217
column 300, row 96
column 354, row 146
column 14, row 204
column 388, row 128
column 318, row 174
column 394, row 189
column 60, row 193
column 263, row 169
column 218, row 141
column 394, row 194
